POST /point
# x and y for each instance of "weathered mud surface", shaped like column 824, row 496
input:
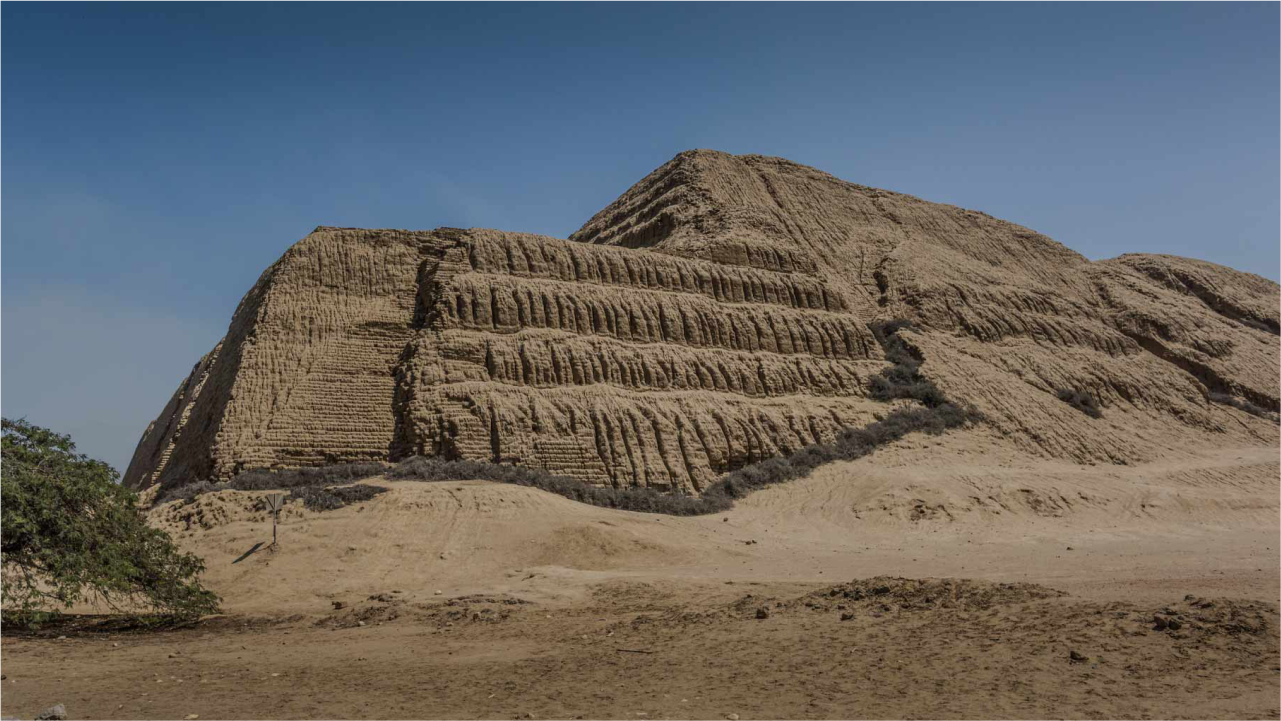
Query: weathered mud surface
column 715, row 315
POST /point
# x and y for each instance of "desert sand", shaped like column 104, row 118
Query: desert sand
column 480, row 600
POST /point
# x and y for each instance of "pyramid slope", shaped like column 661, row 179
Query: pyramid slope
column 716, row 314
column 609, row 365
column 1009, row 315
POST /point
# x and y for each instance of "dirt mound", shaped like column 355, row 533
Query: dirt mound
column 880, row 595
column 211, row 510
column 387, row 607
column 908, row 594
column 1204, row 618
column 418, row 538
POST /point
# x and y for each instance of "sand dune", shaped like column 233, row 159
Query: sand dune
column 477, row 600
column 928, row 497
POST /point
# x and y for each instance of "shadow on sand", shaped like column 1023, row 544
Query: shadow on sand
column 248, row 553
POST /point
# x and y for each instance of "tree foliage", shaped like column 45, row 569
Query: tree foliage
column 72, row 533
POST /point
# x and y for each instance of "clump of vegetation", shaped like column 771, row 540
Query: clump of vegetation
column 320, row 498
column 902, row 380
column 851, row 444
column 1241, row 404
column 295, row 480
column 72, row 533
column 263, row 479
column 1081, row 401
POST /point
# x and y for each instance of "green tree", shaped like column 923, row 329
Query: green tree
column 71, row 532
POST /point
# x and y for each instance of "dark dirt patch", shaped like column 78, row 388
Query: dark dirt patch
column 908, row 594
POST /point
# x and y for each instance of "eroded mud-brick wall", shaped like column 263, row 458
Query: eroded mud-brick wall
column 714, row 315
column 306, row 372
column 1007, row 316
column 611, row 365
column 627, row 367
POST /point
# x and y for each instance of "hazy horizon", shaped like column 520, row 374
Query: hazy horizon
column 158, row 158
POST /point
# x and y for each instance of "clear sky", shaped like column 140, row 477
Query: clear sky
column 157, row 158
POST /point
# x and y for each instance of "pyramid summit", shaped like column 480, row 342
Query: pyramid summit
column 718, row 313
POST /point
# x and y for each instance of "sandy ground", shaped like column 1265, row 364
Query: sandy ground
column 475, row 600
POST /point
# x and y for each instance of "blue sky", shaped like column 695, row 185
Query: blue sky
column 156, row 158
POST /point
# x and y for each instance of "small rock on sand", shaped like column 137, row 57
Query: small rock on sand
column 762, row 613
column 1077, row 657
column 53, row 713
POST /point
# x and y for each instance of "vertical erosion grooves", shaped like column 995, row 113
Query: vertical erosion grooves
column 934, row 414
column 903, row 380
column 622, row 367
column 316, row 384
column 192, row 446
column 613, row 367
column 162, row 435
column 306, row 373
column 413, row 372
